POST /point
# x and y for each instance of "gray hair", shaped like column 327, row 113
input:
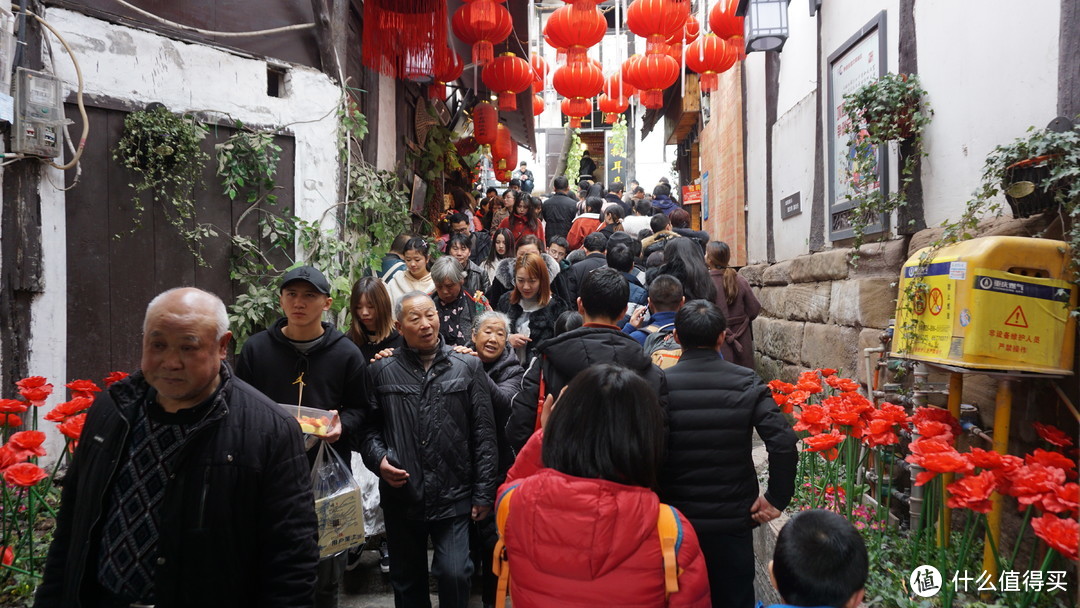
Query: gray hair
column 221, row 315
column 399, row 306
column 445, row 269
column 489, row 316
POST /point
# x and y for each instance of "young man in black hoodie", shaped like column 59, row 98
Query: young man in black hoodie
column 602, row 303
column 303, row 360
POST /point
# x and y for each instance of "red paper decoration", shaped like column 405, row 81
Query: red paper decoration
column 612, row 107
column 616, row 86
column 402, row 37
column 503, row 143
column 540, row 70
column 652, row 74
column 584, row 6
column 507, row 75
column 448, row 68
column 577, row 82
column 575, row 112
column 656, row 21
column 688, row 33
column 538, row 105
column 485, row 123
column 575, row 31
column 483, row 24
column 726, row 25
column 709, row 56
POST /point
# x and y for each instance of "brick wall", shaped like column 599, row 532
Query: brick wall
column 721, row 154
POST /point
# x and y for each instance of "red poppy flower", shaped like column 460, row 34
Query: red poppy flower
column 10, row 456
column 73, row 427
column 782, row 402
column 826, row 371
column 845, row 385
column 812, row 418
column 114, row 377
column 1060, row 534
column 809, row 382
column 985, row 459
column 10, row 420
column 1032, row 482
column 1052, row 434
column 893, row 413
column 936, row 414
column 28, row 441
column 1064, row 499
column 797, row 397
column 67, row 409
column 972, row 492
column 1050, row 459
column 846, row 410
column 779, row 386
column 8, row 556
column 12, row 406
column 825, row 443
column 34, row 389
column 24, row 474
column 879, row 432
column 32, row 382
column 933, row 428
column 83, row 388
column 942, row 462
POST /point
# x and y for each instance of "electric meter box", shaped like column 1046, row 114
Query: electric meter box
column 993, row 303
column 39, row 114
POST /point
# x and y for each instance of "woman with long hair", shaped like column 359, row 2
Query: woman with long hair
column 582, row 527
column 504, row 274
column 416, row 276
column 372, row 324
column 502, row 247
column 499, row 213
column 683, row 260
column 524, row 218
column 735, row 299
column 531, row 306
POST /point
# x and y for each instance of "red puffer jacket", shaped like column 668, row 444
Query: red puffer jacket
column 578, row 542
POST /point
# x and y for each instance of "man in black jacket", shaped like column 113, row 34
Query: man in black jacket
column 430, row 436
column 189, row 488
column 602, row 304
column 303, row 360
column 709, row 475
column 559, row 210
column 595, row 249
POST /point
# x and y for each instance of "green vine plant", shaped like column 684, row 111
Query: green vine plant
column 573, row 158
column 163, row 150
column 891, row 109
column 247, row 162
column 618, row 136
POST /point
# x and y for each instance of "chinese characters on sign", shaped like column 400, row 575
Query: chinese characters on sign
column 691, row 195
column 616, row 164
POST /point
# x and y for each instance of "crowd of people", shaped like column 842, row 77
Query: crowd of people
column 538, row 391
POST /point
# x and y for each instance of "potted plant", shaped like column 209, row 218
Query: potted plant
column 1036, row 172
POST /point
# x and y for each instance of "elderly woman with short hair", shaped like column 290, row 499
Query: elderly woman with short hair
column 455, row 305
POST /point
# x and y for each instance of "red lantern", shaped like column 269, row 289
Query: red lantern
column 612, row 107
column 656, row 21
column 538, row 105
column 507, row 75
column 689, row 32
column 616, row 87
column 583, row 6
column 627, row 72
column 472, row 25
column 577, row 82
column 575, row 31
column 575, row 112
column 540, row 70
column 709, row 56
column 501, row 149
column 448, row 68
column 560, row 52
column 485, row 123
column 652, row 74
column 402, row 37
column 725, row 24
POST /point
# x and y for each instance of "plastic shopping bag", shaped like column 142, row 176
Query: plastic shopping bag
column 337, row 503
column 374, row 524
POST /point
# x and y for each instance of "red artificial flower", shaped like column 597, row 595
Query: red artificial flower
column 972, row 492
column 825, row 443
column 1052, row 434
column 10, row 456
column 73, row 427
column 24, row 474
column 28, row 441
column 812, row 418
column 826, row 371
column 782, row 402
column 879, row 432
column 933, row 428
column 1032, row 482
column 1064, row 499
column 32, row 382
column 1060, row 534
column 936, row 414
column 114, row 377
column 845, row 385
column 10, row 420
column 67, row 409
column 779, row 386
column 942, row 462
column 809, row 382
column 34, row 389
column 83, row 388
column 893, row 413
column 1050, row 459
column 797, row 397
column 8, row 556
column 846, row 410
column 12, row 406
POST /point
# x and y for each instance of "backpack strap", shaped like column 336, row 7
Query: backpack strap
column 670, row 529
column 500, row 565
column 543, row 395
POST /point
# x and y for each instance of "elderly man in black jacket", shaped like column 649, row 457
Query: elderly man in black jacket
column 430, row 436
column 714, row 407
column 189, row 487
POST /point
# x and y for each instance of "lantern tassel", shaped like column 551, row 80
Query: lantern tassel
column 508, row 101
column 483, row 52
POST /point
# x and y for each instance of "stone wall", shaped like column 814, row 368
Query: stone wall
column 822, row 309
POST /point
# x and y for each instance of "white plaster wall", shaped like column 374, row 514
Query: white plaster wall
column 386, row 155
column 797, row 59
column 988, row 81
column 756, row 227
column 142, row 67
column 793, row 171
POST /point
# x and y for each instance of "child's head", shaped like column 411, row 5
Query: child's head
column 820, row 560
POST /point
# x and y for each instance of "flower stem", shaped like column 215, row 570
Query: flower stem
column 1020, row 534
column 1035, row 593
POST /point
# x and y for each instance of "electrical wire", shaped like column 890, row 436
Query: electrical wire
column 188, row 28
column 78, row 98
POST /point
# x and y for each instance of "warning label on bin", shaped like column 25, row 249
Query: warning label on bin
column 1022, row 320
column 925, row 322
column 1017, row 318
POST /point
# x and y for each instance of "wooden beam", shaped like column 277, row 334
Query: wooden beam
column 325, row 38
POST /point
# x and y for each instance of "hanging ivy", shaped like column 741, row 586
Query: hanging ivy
column 573, row 158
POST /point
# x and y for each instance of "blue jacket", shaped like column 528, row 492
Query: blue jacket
column 659, row 319
column 664, row 204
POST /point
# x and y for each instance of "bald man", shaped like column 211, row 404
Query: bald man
column 188, row 487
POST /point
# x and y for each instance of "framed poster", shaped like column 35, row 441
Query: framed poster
column 861, row 59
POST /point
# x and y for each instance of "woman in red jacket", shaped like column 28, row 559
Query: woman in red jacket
column 583, row 531
column 523, row 220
